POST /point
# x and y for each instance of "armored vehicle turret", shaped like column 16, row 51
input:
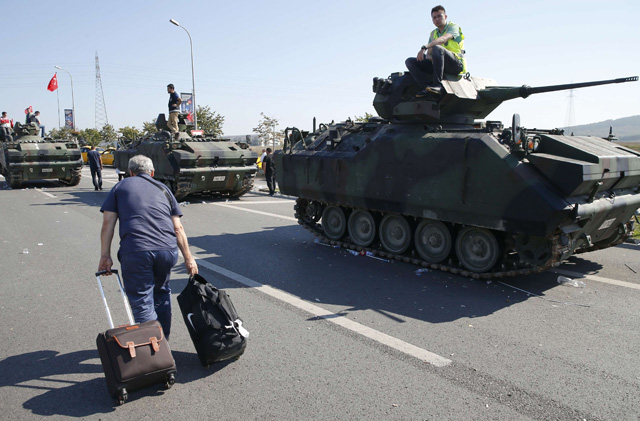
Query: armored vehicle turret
column 27, row 156
column 427, row 182
column 197, row 164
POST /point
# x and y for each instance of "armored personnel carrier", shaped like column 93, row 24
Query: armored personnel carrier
column 193, row 164
column 427, row 182
column 27, row 156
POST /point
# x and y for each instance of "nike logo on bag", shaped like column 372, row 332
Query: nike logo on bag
column 191, row 321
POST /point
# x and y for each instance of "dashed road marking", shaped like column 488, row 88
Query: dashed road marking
column 338, row 319
column 45, row 193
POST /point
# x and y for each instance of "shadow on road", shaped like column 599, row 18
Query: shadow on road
column 47, row 371
column 287, row 258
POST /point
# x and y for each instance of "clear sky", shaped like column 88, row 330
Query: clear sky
column 294, row 60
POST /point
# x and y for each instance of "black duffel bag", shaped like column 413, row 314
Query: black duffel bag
column 212, row 321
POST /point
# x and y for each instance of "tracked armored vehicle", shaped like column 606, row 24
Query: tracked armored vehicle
column 190, row 165
column 27, row 156
column 427, row 182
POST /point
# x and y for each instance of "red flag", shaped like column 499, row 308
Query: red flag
column 28, row 110
column 53, row 83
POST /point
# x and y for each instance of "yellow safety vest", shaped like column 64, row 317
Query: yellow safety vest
column 457, row 48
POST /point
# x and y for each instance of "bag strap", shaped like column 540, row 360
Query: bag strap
column 161, row 187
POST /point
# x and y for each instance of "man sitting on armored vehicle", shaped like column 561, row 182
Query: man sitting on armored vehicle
column 444, row 53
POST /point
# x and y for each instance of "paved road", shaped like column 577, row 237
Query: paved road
column 333, row 336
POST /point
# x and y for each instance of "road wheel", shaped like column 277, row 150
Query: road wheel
column 477, row 249
column 334, row 222
column 395, row 234
column 433, row 241
column 362, row 227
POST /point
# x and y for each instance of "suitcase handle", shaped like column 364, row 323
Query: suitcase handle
column 127, row 306
column 102, row 272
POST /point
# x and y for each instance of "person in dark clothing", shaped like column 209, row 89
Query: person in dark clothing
column 150, row 235
column 269, row 172
column 95, row 164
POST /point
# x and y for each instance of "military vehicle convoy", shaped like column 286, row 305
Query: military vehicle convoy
column 190, row 165
column 427, row 182
column 27, row 156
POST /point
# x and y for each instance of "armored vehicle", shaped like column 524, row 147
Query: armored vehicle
column 193, row 164
column 428, row 182
column 27, row 156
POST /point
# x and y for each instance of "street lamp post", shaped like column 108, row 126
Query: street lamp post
column 193, row 77
column 73, row 102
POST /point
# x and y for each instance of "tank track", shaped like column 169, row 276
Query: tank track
column 345, row 242
column 247, row 185
column 15, row 179
column 74, row 180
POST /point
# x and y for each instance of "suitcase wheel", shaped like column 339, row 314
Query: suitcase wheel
column 171, row 379
column 122, row 397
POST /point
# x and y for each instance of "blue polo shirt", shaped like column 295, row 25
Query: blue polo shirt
column 144, row 212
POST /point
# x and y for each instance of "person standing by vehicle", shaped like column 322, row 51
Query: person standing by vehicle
column 150, row 235
column 95, row 164
column 174, row 110
column 444, row 53
column 269, row 169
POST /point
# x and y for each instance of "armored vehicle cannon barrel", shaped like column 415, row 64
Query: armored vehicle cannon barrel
column 428, row 183
column 24, row 156
column 197, row 164
column 463, row 99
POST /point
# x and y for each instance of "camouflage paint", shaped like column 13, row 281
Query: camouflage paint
column 428, row 159
column 30, row 157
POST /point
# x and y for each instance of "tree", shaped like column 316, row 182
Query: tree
column 91, row 137
column 209, row 121
column 109, row 134
column 364, row 118
column 63, row 133
column 130, row 133
column 267, row 132
column 149, row 127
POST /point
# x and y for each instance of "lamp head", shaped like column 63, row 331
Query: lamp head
column 174, row 22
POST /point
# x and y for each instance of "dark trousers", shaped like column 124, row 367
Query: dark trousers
column 271, row 182
column 430, row 72
column 145, row 275
column 96, row 176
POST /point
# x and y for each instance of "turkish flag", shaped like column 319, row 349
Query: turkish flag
column 53, row 83
column 190, row 117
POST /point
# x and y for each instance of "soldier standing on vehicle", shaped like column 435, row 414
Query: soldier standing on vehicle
column 174, row 109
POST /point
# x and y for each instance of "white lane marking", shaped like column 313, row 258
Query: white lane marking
column 224, row 205
column 383, row 338
column 45, row 193
column 264, row 202
column 596, row 278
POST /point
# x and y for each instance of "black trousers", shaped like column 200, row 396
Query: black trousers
column 96, row 176
column 432, row 71
column 271, row 182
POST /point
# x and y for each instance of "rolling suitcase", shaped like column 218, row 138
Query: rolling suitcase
column 212, row 321
column 133, row 356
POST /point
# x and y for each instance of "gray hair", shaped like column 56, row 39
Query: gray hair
column 139, row 164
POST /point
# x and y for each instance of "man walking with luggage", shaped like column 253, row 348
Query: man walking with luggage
column 150, row 235
column 95, row 165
